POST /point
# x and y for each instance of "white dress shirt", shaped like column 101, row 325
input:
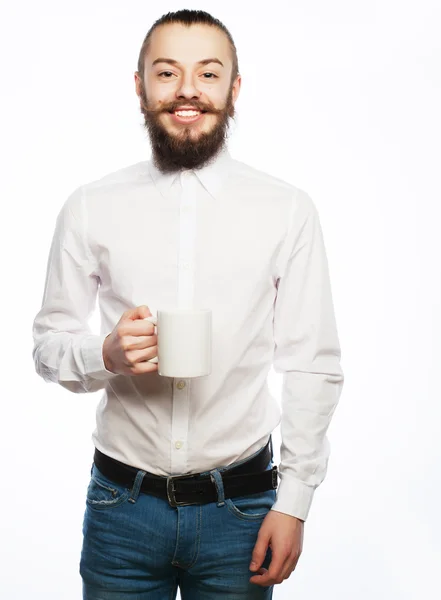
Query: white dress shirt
column 227, row 237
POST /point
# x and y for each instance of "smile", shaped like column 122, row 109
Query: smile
column 187, row 116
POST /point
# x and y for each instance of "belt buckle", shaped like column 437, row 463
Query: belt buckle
column 171, row 490
column 274, row 477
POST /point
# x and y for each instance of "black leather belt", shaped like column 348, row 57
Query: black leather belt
column 249, row 477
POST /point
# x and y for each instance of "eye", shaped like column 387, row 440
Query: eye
column 167, row 73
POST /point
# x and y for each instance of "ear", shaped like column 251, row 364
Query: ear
column 138, row 84
column 236, row 88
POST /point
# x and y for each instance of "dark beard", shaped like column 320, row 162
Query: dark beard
column 172, row 153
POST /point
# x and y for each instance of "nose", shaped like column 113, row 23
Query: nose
column 187, row 89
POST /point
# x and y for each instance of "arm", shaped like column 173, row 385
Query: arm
column 65, row 350
column 307, row 352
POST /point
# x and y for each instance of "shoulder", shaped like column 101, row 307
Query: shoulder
column 264, row 183
column 105, row 190
column 126, row 176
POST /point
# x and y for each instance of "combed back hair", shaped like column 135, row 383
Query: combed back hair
column 188, row 18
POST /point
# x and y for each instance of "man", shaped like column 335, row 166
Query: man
column 193, row 226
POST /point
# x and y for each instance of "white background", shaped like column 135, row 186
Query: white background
column 339, row 98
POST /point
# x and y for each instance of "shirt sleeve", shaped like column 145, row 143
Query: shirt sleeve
column 65, row 350
column 307, row 352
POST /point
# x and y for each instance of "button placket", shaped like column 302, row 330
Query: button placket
column 186, row 250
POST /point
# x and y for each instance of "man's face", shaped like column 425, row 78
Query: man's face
column 187, row 141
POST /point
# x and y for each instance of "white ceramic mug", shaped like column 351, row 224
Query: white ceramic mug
column 184, row 341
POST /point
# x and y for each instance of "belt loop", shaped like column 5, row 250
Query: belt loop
column 216, row 478
column 136, row 486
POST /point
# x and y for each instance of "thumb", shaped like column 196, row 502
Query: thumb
column 139, row 312
column 259, row 553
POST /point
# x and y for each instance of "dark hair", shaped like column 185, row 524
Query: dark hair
column 188, row 17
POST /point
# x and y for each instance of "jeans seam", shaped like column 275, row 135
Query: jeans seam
column 198, row 537
column 177, row 543
column 173, row 591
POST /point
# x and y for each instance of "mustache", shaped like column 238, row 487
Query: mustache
column 172, row 107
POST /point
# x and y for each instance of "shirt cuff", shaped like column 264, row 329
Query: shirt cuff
column 92, row 353
column 293, row 498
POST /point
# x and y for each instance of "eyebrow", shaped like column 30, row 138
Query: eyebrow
column 171, row 61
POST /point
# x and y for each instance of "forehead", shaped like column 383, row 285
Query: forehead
column 188, row 44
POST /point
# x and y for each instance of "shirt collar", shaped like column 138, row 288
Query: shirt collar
column 211, row 175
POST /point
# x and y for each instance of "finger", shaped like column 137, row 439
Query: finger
column 138, row 312
column 290, row 566
column 259, row 573
column 277, row 564
column 144, row 367
column 259, row 552
column 259, row 579
column 139, row 356
column 139, row 342
column 139, row 327
column 274, row 571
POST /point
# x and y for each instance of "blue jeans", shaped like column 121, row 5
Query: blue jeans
column 137, row 547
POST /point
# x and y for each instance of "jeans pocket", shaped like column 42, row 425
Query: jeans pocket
column 252, row 506
column 104, row 493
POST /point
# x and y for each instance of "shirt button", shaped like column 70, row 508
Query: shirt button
column 178, row 445
column 186, row 265
column 180, row 384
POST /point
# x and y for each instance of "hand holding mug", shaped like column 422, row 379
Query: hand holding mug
column 128, row 349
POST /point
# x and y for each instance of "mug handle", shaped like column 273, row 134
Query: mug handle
column 153, row 320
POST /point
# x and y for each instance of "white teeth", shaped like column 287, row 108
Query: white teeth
column 187, row 113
